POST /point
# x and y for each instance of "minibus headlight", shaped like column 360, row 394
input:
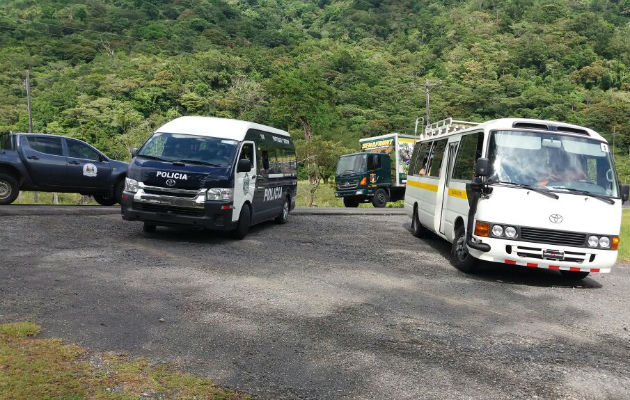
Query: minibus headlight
column 219, row 194
column 497, row 230
column 604, row 242
column 593, row 241
column 131, row 185
column 510, row 232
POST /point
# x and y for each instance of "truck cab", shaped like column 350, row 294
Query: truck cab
column 364, row 177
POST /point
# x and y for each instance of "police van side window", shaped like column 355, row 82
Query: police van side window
column 435, row 158
column 47, row 145
column 247, row 152
column 469, row 151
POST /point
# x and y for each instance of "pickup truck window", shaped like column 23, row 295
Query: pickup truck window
column 5, row 142
column 48, row 145
column 77, row 149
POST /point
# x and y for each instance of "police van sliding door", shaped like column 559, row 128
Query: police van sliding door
column 244, row 182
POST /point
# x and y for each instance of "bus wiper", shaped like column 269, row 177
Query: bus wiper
column 529, row 187
column 197, row 162
column 586, row 193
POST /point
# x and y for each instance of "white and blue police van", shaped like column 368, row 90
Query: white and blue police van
column 213, row 173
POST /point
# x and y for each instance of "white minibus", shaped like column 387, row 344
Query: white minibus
column 534, row 193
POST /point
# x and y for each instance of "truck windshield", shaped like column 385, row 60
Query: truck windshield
column 552, row 161
column 190, row 149
column 351, row 164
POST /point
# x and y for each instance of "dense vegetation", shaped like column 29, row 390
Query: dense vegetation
column 109, row 71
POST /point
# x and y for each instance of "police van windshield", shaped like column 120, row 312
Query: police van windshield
column 190, row 149
column 351, row 164
column 553, row 162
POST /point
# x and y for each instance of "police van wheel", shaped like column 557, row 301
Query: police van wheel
column 416, row 227
column 243, row 223
column 380, row 198
column 118, row 189
column 9, row 189
column 460, row 257
column 350, row 202
column 149, row 227
column 284, row 214
column 574, row 275
column 104, row 200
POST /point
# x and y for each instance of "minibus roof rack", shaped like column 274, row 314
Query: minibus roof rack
column 446, row 126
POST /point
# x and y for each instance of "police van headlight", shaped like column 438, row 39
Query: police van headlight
column 131, row 185
column 223, row 194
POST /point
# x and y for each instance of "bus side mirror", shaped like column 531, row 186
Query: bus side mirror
column 625, row 192
column 134, row 152
column 482, row 167
column 244, row 165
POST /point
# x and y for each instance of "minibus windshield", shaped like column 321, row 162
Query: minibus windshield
column 555, row 162
column 351, row 164
column 190, row 149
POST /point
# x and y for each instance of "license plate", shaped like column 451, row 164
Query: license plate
column 553, row 254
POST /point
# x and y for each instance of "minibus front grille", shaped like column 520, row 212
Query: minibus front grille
column 537, row 235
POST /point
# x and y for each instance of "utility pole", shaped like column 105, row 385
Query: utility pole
column 28, row 101
column 428, row 86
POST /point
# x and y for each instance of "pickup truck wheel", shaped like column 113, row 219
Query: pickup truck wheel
column 9, row 189
column 350, row 202
column 244, row 221
column 460, row 257
column 574, row 275
column 104, row 200
column 380, row 198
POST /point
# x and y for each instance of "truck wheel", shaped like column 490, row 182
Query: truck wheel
column 380, row 198
column 9, row 189
column 460, row 257
column 148, row 227
column 104, row 200
column 284, row 214
column 351, row 202
column 416, row 227
column 574, row 275
column 244, row 220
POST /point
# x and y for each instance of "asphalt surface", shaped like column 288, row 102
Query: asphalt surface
column 326, row 306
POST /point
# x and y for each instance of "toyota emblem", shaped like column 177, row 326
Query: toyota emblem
column 170, row 182
column 555, row 218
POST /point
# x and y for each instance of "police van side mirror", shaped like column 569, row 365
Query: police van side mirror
column 482, row 167
column 625, row 192
column 134, row 152
column 244, row 165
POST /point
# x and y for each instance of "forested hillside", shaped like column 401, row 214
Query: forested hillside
column 109, row 71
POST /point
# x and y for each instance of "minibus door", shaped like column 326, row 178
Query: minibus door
column 450, row 160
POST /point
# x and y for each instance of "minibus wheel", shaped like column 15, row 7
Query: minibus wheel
column 243, row 223
column 460, row 256
column 573, row 275
column 416, row 227
column 380, row 198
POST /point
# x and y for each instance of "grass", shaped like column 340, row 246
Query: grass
column 47, row 198
column 623, row 256
column 33, row 368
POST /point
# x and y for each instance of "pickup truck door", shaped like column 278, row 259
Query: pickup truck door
column 44, row 159
column 87, row 168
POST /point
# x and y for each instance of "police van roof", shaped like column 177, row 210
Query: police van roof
column 223, row 128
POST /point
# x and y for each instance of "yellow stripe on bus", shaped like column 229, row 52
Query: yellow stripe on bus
column 457, row 193
column 426, row 186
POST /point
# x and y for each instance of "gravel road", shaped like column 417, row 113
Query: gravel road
column 326, row 306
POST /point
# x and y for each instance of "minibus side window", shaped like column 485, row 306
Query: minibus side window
column 435, row 158
column 470, row 147
column 419, row 159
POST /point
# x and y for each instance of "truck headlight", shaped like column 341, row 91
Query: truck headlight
column 131, row 185
column 223, row 194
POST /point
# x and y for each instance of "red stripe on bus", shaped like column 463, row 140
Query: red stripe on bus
column 594, row 269
column 574, row 269
column 510, row 262
column 532, row 265
column 554, row 267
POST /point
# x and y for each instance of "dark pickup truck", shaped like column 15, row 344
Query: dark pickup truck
column 50, row 163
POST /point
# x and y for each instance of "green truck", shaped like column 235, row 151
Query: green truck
column 377, row 174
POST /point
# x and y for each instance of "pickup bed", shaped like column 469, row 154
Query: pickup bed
column 50, row 163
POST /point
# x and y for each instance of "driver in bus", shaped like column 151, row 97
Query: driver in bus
column 561, row 169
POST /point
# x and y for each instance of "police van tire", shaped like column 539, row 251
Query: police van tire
column 460, row 257
column 283, row 218
column 148, row 227
column 244, row 220
column 380, row 198
column 350, row 202
column 416, row 227
column 118, row 189
column 9, row 189
column 104, row 200
column 574, row 275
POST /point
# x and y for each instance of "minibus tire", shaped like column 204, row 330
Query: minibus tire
column 244, row 220
column 416, row 227
column 380, row 198
column 573, row 275
column 467, row 264
column 9, row 189
column 148, row 227
column 350, row 202
column 283, row 218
